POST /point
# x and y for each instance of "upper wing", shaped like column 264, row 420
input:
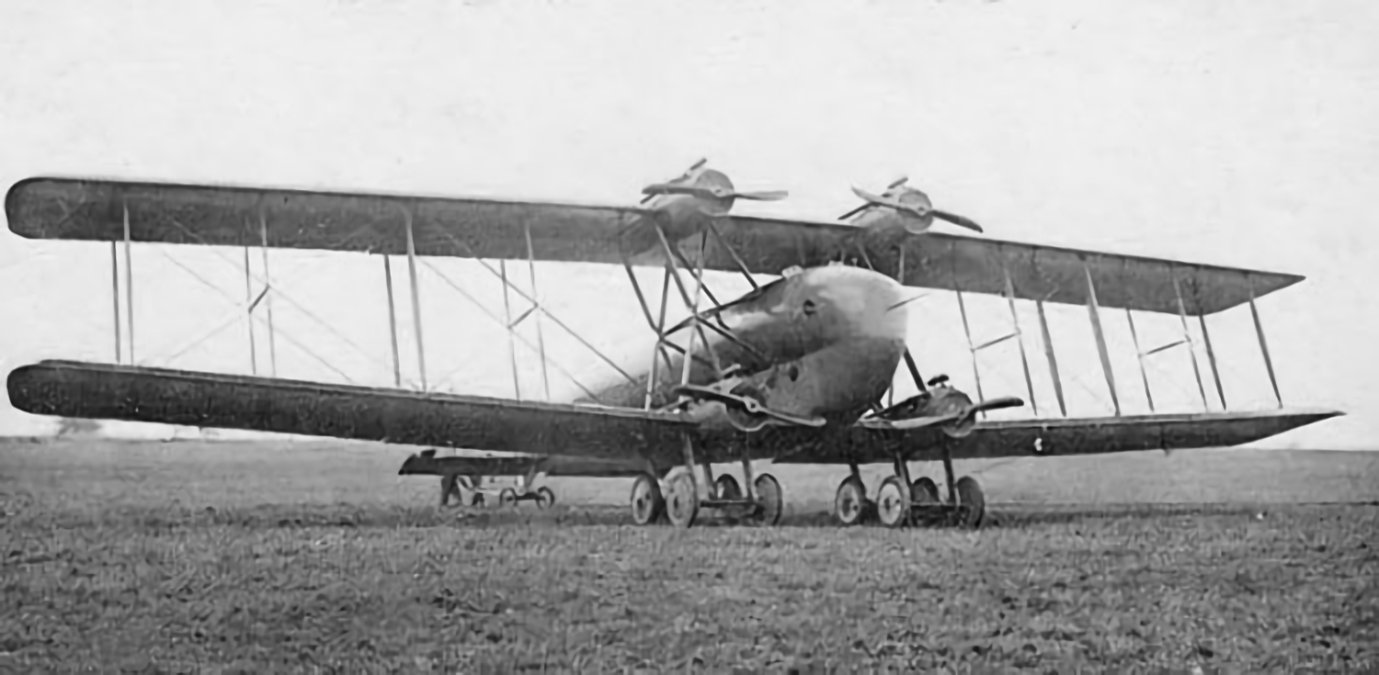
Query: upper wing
column 1065, row 436
column 980, row 265
column 140, row 394
column 57, row 208
column 62, row 208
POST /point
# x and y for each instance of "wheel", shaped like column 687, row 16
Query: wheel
column 508, row 497
column 923, row 492
column 893, row 502
column 971, row 502
column 770, row 499
column 647, row 503
column 727, row 488
column 850, row 502
column 682, row 499
column 545, row 498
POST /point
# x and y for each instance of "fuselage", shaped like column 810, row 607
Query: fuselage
column 823, row 341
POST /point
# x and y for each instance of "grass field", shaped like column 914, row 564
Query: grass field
column 256, row 557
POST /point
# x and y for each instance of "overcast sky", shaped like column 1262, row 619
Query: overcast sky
column 1233, row 133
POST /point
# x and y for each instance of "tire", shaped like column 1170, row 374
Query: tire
column 647, row 502
column 727, row 488
column 508, row 497
column 971, row 503
column 925, row 491
column 850, row 502
column 770, row 499
column 682, row 500
column 893, row 502
column 545, row 498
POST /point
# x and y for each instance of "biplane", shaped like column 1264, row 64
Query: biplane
column 794, row 371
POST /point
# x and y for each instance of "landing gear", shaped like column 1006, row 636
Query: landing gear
column 678, row 497
column 901, row 503
column 543, row 496
column 920, row 504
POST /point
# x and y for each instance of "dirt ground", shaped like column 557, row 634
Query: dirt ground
column 239, row 557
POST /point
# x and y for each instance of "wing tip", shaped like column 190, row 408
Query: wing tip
column 14, row 200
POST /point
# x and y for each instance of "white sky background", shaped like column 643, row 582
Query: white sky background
column 1232, row 133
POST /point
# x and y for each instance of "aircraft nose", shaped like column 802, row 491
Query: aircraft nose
column 868, row 303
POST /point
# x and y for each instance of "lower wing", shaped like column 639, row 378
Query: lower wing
column 572, row 432
column 1065, row 436
column 139, row 394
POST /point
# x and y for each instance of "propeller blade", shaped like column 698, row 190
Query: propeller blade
column 956, row 219
column 921, row 422
column 712, row 192
column 898, row 182
column 878, row 200
column 993, row 404
column 763, row 196
column 702, row 161
column 854, row 212
column 869, row 197
column 676, row 189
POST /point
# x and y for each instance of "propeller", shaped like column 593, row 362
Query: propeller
column 918, row 207
column 956, row 413
column 713, row 192
column 707, row 184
